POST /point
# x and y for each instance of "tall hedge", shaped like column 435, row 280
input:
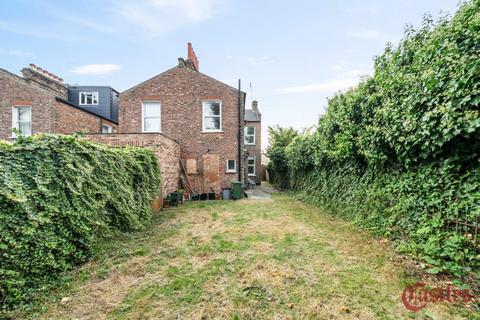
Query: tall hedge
column 400, row 153
column 58, row 196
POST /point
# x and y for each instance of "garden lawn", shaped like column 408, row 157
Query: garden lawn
column 249, row 259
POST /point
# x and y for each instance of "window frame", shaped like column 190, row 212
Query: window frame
column 254, row 174
column 16, row 120
column 109, row 128
column 159, row 117
column 94, row 94
column 234, row 170
column 204, row 103
column 245, row 135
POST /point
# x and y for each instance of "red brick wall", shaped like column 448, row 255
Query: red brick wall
column 166, row 150
column 181, row 92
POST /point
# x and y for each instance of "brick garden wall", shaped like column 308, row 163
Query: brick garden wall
column 166, row 150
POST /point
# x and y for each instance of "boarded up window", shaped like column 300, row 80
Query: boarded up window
column 191, row 166
column 211, row 168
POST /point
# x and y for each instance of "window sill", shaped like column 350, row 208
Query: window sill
column 252, row 175
column 151, row 132
column 88, row 105
column 212, row 131
column 250, row 144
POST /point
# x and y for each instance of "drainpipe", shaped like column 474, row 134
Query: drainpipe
column 239, row 135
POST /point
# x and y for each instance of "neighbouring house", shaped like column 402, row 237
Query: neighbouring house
column 253, row 146
column 203, row 115
column 38, row 103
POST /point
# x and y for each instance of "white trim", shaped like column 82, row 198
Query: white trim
column 203, row 116
column 254, row 166
column 109, row 128
column 94, row 94
column 245, row 135
column 234, row 170
column 15, row 120
column 159, row 118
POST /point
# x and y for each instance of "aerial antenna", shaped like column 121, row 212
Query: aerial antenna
column 251, row 94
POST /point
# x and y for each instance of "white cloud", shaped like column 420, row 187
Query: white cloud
column 157, row 16
column 34, row 32
column 96, row 69
column 368, row 34
column 343, row 81
column 261, row 60
column 89, row 24
column 18, row 53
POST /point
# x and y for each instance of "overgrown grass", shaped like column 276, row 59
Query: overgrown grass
column 275, row 259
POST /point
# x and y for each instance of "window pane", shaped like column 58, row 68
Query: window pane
column 25, row 128
column 24, row 113
column 251, row 169
column 251, row 162
column 250, row 130
column 249, row 139
column 151, row 125
column 212, row 123
column 212, row 108
column 151, row 109
column 231, row 165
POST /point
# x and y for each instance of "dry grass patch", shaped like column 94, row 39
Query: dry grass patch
column 273, row 259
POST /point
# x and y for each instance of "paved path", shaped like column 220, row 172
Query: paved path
column 261, row 192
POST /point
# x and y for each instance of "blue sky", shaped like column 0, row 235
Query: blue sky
column 295, row 53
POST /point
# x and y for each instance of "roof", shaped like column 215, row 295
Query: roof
column 252, row 116
column 89, row 112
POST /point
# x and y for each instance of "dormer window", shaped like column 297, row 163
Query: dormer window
column 88, row 98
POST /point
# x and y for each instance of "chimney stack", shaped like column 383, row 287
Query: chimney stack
column 192, row 58
column 255, row 106
column 46, row 80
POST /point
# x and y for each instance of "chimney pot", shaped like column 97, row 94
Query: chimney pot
column 255, row 105
column 192, row 56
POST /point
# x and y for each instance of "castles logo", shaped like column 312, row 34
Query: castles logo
column 418, row 296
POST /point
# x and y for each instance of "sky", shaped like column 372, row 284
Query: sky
column 295, row 54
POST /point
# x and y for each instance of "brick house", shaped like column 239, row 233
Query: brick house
column 37, row 103
column 203, row 115
column 194, row 123
column 253, row 146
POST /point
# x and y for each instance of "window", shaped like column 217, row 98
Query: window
column 212, row 116
column 151, row 121
column 22, row 120
column 88, row 98
column 249, row 135
column 106, row 129
column 251, row 166
column 231, row 166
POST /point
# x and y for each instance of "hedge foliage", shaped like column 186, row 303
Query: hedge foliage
column 400, row 153
column 58, row 196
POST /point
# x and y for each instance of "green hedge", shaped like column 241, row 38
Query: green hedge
column 400, row 153
column 58, row 196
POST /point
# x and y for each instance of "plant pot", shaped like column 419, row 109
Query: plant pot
column 166, row 204
column 195, row 197
column 211, row 196
column 203, row 196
